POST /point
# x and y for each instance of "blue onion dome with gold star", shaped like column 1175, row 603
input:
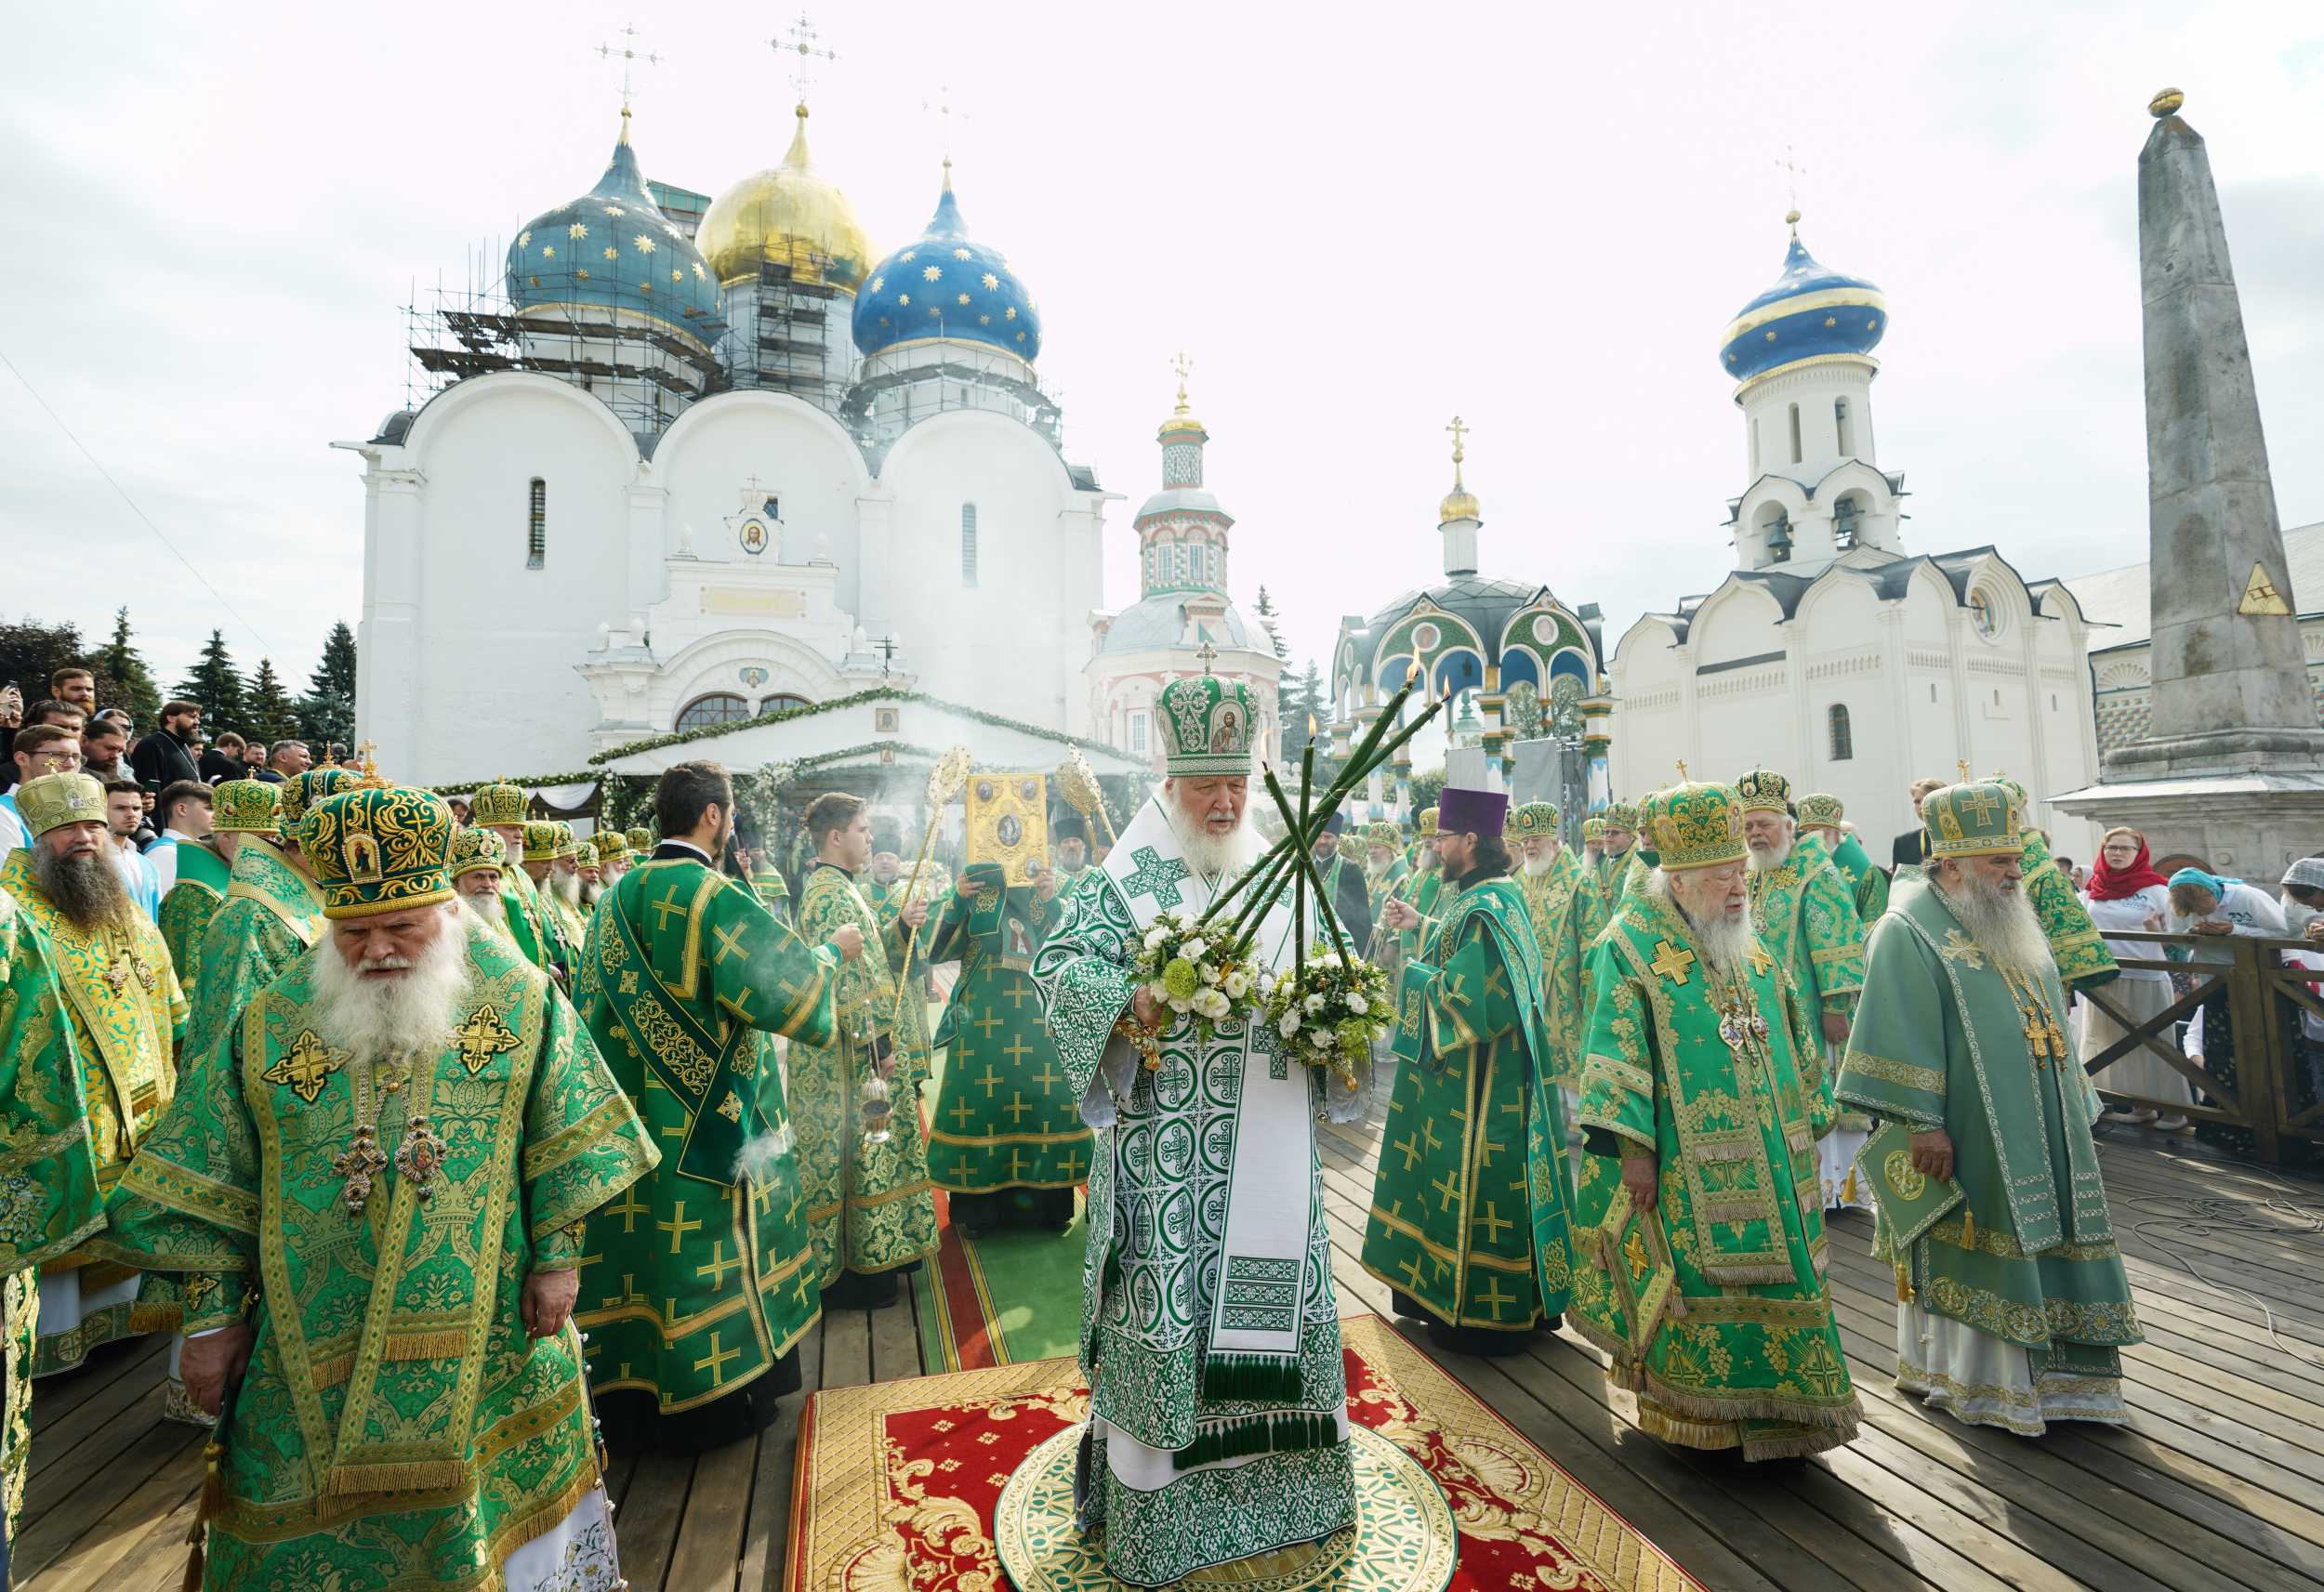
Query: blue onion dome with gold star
column 943, row 285
column 613, row 249
column 1812, row 311
column 787, row 215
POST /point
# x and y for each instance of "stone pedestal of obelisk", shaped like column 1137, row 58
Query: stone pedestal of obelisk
column 2231, row 772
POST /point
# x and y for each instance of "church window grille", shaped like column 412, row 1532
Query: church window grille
column 718, row 707
column 1138, row 734
column 1843, row 746
column 1795, row 433
column 1844, row 425
column 782, row 702
column 967, row 545
column 537, row 526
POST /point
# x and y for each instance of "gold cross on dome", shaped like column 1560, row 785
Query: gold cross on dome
column 1671, row 961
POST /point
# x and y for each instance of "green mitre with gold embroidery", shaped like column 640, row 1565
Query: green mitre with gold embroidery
column 52, row 801
column 1593, row 831
column 585, row 853
column 541, row 841
column 640, row 840
column 1208, row 726
column 379, row 850
column 300, row 792
column 497, row 802
column 245, row 807
column 1619, row 815
column 1531, row 820
column 1696, row 824
column 1763, row 790
column 1978, row 819
column 473, row 848
column 567, row 846
column 1820, row 812
column 612, row 845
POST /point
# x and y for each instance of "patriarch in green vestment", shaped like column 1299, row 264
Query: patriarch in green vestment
column 2014, row 1306
column 1568, row 916
column 1699, row 1241
column 1471, row 1206
column 698, row 1284
column 862, row 1156
column 373, row 1188
column 49, row 1201
column 1803, row 912
column 1007, row 1141
column 122, row 1011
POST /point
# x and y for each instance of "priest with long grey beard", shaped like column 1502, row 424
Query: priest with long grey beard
column 478, row 868
column 2014, row 1306
column 1211, row 1333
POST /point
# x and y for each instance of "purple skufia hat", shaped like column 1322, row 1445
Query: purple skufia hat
column 1470, row 812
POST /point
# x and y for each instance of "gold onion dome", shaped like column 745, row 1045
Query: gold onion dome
column 1459, row 503
column 790, row 216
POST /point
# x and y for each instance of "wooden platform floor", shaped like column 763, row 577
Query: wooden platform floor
column 2218, row 1485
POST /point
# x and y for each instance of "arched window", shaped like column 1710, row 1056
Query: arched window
column 968, row 543
column 718, row 707
column 1847, row 516
column 782, row 702
column 1843, row 746
column 1795, row 433
column 537, row 526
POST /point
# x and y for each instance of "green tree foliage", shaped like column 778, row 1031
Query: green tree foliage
column 123, row 678
column 218, row 686
column 31, row 651
column 327, row 712
column 1427, row 785
column 273, row 716
column 1267, row 622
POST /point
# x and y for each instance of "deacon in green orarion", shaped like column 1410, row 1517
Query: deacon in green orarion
column 1471, row 1205
column 699, row 1283
column 1568, row 916
column 373, row 1186
column 1699, row 1233
column 1007, row 1140
column 2013, row 1308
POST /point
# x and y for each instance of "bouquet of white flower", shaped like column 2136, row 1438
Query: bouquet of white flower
column 1205, row 972
column 1329, row 1014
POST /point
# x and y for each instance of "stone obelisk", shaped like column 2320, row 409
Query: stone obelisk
column 2231, row 772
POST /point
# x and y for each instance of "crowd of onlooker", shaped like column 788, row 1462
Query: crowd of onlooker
column 157, row 784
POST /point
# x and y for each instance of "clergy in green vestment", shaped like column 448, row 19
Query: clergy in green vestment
column 1699, row 1242
column 1568, row 916
column 562, row 894
column 500, row 808
column 2083, row 960
column 1071, row 845
column 1822, row 819
column 1803, row 912
column 1007, row 1140
column 49, row 1201
column 640, row 838
column 198, row 871
column 1424, row 885
column 1210, row 1325
column 122, row 1011
column 1385, row 868
column 1620, row 869
column 476, row 866
column 272, row 913
column 700, row 1282
column 1470, row 1206
column 373, row 1187
column 613, row 857
column 862, row 1159
column 2014, row 1306
column 1341, row 879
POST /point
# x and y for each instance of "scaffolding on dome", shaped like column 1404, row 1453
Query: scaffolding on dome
column 773, row 348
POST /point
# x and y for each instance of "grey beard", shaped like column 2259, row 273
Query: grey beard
column 1537, row 866
column 380, row 1019
column 87, row 890
column 1722, row 941
column 1767, row 861
column 567, row 886
column 2001, row 922
column 1212, row 856
column 488, row 910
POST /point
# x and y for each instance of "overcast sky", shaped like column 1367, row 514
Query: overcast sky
column 1358, row 220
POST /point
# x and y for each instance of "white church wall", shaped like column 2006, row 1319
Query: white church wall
column 485, row 619
column 1014, row 640
column 1737, row 622
column 801, row 456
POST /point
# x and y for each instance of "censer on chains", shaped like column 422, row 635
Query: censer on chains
column 874, row 1103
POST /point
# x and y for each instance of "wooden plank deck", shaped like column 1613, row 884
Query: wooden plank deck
column 2217, row 1486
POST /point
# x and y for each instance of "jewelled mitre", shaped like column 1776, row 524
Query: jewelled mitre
column 54, row 800
column 246, row 807
column 499, row 802
column 1978, row 819
column 1697, row 824
column 1532, row 821
column 640, row 840
column 542, row 840
column 477, row 847
column 378, row 850
column 1763, row 790
column 301, row 792
column 1620, row 815
column 1427, row 825
column 1208, row 726
column 1820, row 812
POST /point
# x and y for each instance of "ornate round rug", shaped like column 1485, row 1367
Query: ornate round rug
column 1404, row 1539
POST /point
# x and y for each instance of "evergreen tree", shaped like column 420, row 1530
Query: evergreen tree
column 327, row 712
column 30, row 652
column 123, row 678
column 1267, row 622
column 216, row 685
column 273, row 716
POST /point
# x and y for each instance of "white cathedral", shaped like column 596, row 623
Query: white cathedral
column 708, row 459
column 1829, row 653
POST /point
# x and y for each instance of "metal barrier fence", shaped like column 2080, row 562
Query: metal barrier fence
column 2267, row 1082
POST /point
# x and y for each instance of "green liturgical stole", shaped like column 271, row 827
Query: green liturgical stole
column 1411, row 1041
column 683, row 1056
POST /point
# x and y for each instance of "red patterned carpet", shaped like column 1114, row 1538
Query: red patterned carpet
column 898, row 1482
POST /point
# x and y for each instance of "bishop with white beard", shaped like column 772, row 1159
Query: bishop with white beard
column 1209, row 1332
column 2015, row 1307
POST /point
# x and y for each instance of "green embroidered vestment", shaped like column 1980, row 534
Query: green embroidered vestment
column 273, row 913
column 1470, row 1208
column 1568, row 916
column 701, row 1278
column 2082, row 957
column 1006, row 1116
column 203, row 876
column 1719, row 1078
column 1941, row 1042
column 870, row 1208
column 396, row 1428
